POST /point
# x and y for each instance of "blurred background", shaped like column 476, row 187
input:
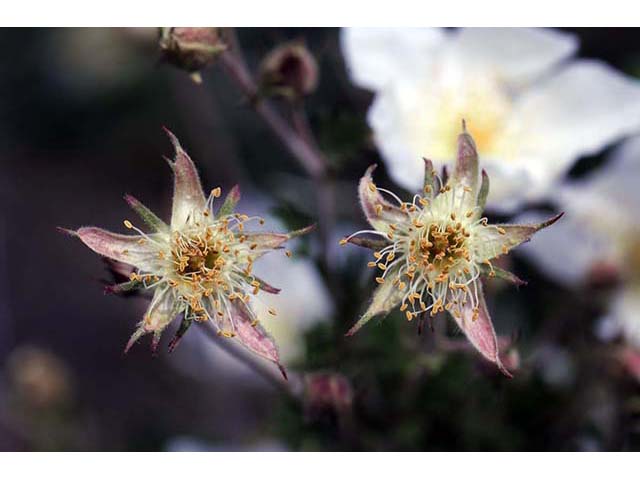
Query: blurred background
column 81, row 112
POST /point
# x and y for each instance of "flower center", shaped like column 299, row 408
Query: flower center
column 431, row 257
column 478, row 98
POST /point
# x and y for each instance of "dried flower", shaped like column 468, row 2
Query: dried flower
column 433, row 250
column 289, row 70
column 199, row 267
column 191, row 48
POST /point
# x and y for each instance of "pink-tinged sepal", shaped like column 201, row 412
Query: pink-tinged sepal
column 371, row 243
column 124, row 248
column 429, row 186
column 379, row 212
column 147, row 216
column 159, row 315
column 182, row 329
column 483, row 193
column 251, row 334
column 264, row 286
column 385, row 298
column 188, row 196
column 477, row 326
column 230, row 202
column 124, row 287
column 495, row 272
column 133, row 339
column 270, row 241
column 466, row 168
column 496, row 240
column 121, row 272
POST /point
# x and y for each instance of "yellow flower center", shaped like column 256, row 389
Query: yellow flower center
column 481, row 101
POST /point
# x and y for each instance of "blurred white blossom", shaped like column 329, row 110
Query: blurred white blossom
column 532, row 109
column 600, row 235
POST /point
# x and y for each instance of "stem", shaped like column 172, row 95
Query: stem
column 291, row 387
column 298, row 140
column 310, row 160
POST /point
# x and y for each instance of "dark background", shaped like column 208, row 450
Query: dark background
column 81, row 112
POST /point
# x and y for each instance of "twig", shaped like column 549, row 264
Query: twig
column 298, row 140
column 302, row 151
column 291, row 387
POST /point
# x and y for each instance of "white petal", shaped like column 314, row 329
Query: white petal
column 617, row 180
column 303, row 302
column 377, row 56
column 624, row 311
column 392, row 129
column 516, row 55
column 564, row 252
column 577, row 112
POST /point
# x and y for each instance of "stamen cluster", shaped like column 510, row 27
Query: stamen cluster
column 432, row 257
column 206, row 264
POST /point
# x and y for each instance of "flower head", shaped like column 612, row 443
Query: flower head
column 199, row 267
column 432, row 251
column 532, row 109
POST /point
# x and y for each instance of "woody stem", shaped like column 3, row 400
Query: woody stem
column 298, row 141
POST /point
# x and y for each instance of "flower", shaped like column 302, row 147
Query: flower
column 600, row 241
column 433, row 250
column 532, row 109
column 199, row 267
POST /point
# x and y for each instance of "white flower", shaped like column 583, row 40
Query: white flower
column 601, row 232
column 532, row 110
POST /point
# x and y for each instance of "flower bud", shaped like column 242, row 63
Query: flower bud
column 191, row 49
column 327, row 391
column 289, row 71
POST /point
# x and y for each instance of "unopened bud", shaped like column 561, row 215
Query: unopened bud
column 327, row 391
column 191, row 49
column 289, row 71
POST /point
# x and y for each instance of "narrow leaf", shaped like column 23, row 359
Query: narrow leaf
column 230, row 202
column 484, row 192
column 147, row 216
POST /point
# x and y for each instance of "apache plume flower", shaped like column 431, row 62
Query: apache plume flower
column 199, row 267
column 433, row 250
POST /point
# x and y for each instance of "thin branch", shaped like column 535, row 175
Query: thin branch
column 308, row 158
column 298, row 140
column 291, row 387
